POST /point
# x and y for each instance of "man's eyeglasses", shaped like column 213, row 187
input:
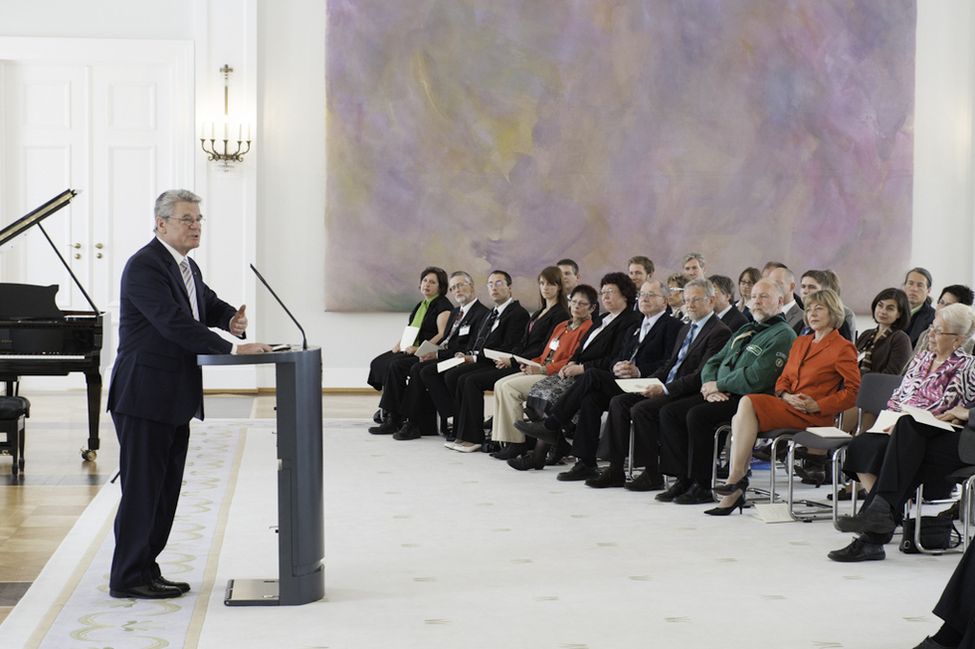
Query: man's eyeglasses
column 189, row 221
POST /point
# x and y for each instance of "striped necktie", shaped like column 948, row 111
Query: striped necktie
column 184, row 268
column 682, row 353
column 453, row 329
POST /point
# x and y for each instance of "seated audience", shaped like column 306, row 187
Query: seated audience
column 501, row 330
column 956, row 293
column 819, row 380
column 890, row 467
column 694, row 265
column 462, row 325
column 792, row 310
column 675, row 288
column 697, row 341
column 749, row 363
column 746, row 280
column 429, row 315
column 553, row 310
column 724, row 297
column 917, row 285
column 646, row 347
column 511, row 391
column 599, row 347
column 570, row 274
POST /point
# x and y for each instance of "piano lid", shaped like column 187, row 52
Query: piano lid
column 24, row 223
column 29, row 302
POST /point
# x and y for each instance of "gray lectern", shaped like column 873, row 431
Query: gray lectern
column 301, row 513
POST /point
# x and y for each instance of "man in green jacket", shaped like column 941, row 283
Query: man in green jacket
column 750, row 363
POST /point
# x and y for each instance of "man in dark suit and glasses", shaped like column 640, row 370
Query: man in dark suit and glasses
column 165, row 316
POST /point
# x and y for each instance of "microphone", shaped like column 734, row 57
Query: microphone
column 304, row 341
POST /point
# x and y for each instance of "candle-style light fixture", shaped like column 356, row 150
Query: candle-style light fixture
column 226, row 158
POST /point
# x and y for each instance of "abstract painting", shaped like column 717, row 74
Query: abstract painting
column 482, row 134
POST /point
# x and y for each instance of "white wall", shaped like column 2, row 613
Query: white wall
column 279, row 199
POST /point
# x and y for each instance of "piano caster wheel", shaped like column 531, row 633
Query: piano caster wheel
column 88, row 455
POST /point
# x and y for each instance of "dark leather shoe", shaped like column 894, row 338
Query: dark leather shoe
column 646, row 481
column 695, row 495
column 877, row 518
column 538, row 430
column 510, row 452
column 859, row 550
column 608, row 477
column 526, row 462
column 388, row 427
column 928, row 643
column 408, row 431
column 181, row 585
column 578, row 472
column 675, row 490
column 152, row 590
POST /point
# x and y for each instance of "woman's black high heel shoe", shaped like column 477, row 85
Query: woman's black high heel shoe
column 728, row 489
column 725, row 511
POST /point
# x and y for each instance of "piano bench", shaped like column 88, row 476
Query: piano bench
column 13, row 411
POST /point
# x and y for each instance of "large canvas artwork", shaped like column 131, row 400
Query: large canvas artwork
column 481, row 134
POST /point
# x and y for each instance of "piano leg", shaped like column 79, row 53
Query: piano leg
column 94, row 380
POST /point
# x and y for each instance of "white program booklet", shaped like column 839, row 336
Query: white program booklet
column 426, row 347
column 443, row 366
column 887, row 418
column 831, row 432
column 525, row 361
column 637, row 385
column 409, row 337
column 495, row 355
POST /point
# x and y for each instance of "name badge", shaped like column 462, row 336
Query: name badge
column 464, row 331
column 554, row 345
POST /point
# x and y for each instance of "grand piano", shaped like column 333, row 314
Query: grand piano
column 39, row 339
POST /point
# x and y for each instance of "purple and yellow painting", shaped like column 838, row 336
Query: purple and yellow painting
column 481, row 134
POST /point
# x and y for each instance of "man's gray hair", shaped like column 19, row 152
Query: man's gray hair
column 166, row 203
column 694, row 255
column 701, row 283
column 464, row 274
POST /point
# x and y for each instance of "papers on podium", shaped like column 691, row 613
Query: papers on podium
column 443, row 366
column 426, row 347
column 637, row 385
column 887, row 418
column 409, row 337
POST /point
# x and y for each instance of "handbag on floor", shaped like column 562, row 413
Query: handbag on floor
column 937, row 533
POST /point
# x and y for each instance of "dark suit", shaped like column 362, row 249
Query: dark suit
column 591, row 394
column 442, row 387
column 920, row 321
column 795, row 317
column 396, row 387
column 156, row 388
column 644, row 412
column 734, row 319
column 468, row 425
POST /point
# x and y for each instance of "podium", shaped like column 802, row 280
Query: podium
column 301, row 514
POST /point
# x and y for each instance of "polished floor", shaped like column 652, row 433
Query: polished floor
column 426, row 547
column 41, row 505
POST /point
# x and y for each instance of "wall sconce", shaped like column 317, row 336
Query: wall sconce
column 226, row 159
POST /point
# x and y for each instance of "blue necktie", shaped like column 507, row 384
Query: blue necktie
column 684, row 346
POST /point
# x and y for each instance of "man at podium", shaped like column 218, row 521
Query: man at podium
column 166, row 312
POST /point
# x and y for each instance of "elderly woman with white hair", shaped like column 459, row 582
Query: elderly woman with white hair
column 941, row 380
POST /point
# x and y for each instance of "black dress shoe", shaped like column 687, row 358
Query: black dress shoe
column 578, row 472
column 510, row 452
column 695, row 495
column 526, row 462
column 859, row 550
column 408, row 431
column 608, row 477
column 388, row 427
column 181, row 585
column 538, row 430
column 877, row 518
column 675, row 490
column 646, row 481
column 929, row 643
column 151, row 590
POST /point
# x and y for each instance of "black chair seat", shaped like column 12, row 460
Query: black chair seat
column 14, row 407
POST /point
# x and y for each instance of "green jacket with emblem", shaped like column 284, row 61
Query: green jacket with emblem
column 751, row 361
